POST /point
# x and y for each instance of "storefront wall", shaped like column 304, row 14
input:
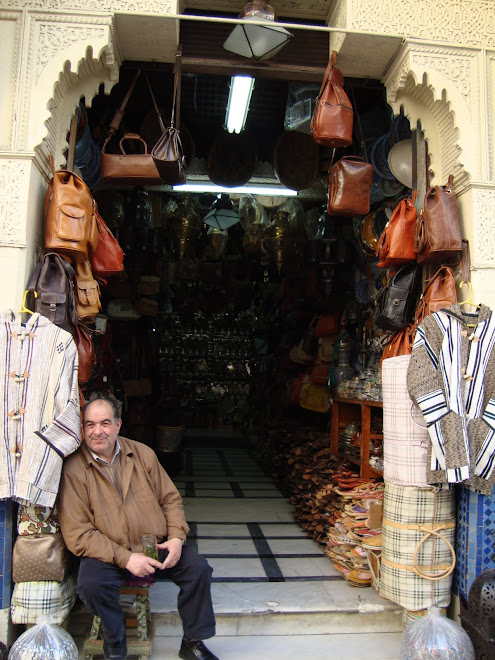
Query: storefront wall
column 55, row 51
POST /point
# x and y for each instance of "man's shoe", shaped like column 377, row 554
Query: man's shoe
column 115, row 650
column 191, row 649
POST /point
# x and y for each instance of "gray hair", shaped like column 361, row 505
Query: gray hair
column 107, row 397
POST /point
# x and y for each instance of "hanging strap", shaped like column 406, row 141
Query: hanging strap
column 119, row 113
column 175, row 116
column 160, row 120
column 330, row 65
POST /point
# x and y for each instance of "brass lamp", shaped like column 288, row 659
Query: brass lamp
column 257, row 42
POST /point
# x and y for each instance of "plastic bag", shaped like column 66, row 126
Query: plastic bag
column 44, row 641
column 434, row 637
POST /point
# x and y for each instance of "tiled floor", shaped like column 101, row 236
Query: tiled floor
column 241, row 522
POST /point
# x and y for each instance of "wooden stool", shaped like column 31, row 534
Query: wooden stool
column 139, row 643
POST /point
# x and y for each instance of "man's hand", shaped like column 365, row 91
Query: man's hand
column 141, row 566
column 174, row 547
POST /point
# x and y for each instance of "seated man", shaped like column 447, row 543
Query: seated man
column 114, row 490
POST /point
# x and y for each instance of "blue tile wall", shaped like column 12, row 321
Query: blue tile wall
column 475, row 538
column 5, row 552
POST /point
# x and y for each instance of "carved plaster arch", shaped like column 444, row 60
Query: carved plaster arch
column 66, row 56
column 440, row 86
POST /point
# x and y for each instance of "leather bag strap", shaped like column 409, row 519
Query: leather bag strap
column 119, row 113
column 330, row 65
column 465, row 261
column 175, row 115
column 160, row 120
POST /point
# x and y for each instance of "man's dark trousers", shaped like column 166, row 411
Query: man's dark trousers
column 99, row 583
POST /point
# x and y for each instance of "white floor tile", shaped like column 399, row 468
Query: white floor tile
column 237, row 568
column 225, row 530
column 283, row 530
column 303, row 546
column 307, row 567
column 226, row 547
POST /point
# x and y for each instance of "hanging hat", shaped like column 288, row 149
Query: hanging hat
column 400, row 162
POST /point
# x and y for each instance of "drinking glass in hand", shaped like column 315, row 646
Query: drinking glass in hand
column 149, row 546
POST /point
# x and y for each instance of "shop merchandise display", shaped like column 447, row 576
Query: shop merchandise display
column 44, row 640
column 458, row 345
column 40, row 415
column 434, row 637
column 31, row 600
column 396, row 245
column 478, row 616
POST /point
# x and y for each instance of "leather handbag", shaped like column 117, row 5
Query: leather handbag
column 400, row 342
column 52, row 285
column 168, row 154
column 327, row 324
column 396, row 245
column 38, row 557
column 437, row 234
column 124, row 168
column 70, row 223
column 396, row 301
column 332, row 120
column 108, row 258
column 88, row 293
column 349, row 187
column 86, row 353
column 440, row 291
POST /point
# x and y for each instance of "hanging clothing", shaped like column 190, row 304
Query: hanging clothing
column 39, row 414
column 451, row 378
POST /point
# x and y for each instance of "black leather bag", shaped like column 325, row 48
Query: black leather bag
column 52, row 284
column 396, row 301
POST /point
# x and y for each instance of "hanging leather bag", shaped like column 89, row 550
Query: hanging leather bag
column 108, row 258
column 88, row 293
column 349, row 187
column 396, row 301
column 86, row 353
column 437, row 234
column 332, row 120
column 440, row 291
column 70, row 223
column 52, row 285
column 168, row 154
column 396, row 245
column 400, row 342
column 124, row 168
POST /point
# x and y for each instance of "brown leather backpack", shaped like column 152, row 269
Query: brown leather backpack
column 439, row 292
column 88, row 293
column 52, row 285
column 70, row 222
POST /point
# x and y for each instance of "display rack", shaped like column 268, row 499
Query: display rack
column 346, row 411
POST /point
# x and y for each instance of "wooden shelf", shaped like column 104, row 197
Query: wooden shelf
column 345, row 411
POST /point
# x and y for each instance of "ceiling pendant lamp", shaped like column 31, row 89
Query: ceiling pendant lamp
column 222, row 214
column 257, row 42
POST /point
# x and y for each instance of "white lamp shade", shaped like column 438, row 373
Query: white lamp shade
column 257, row 42
column 221, row 218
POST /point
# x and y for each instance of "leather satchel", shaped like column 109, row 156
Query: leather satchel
column 88, row 293
column 86, row 353
column 52, row 285
column 168, row 154
column 437, row 234
column 124, row 168
column 396, row 301
column 396, row 245
column 400, row 342
column 440, row 291
column 38, row 557
column 108, row 258
column 349, row 187
column 332, row 120
column 70, row 222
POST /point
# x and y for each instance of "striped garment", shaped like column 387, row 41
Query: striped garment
column 405, row 438
column 31, row 600
column 451, row 377
column 40, row 416
column 408, row 514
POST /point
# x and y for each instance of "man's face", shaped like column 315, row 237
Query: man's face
column 101, row 429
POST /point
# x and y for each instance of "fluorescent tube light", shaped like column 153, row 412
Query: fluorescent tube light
column 241, row 88
column 254, row 189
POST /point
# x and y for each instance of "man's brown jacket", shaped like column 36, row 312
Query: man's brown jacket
column 97, row 522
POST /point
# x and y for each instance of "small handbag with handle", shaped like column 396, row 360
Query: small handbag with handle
column 396, row 245
column 168, row 154
column 349, row 186
column 38, row 557
column 437, row 233
column 127, row 168
column 400, row 342
column 332, row 120
column 396, row 301
column 88, row 293
column 108, row 258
